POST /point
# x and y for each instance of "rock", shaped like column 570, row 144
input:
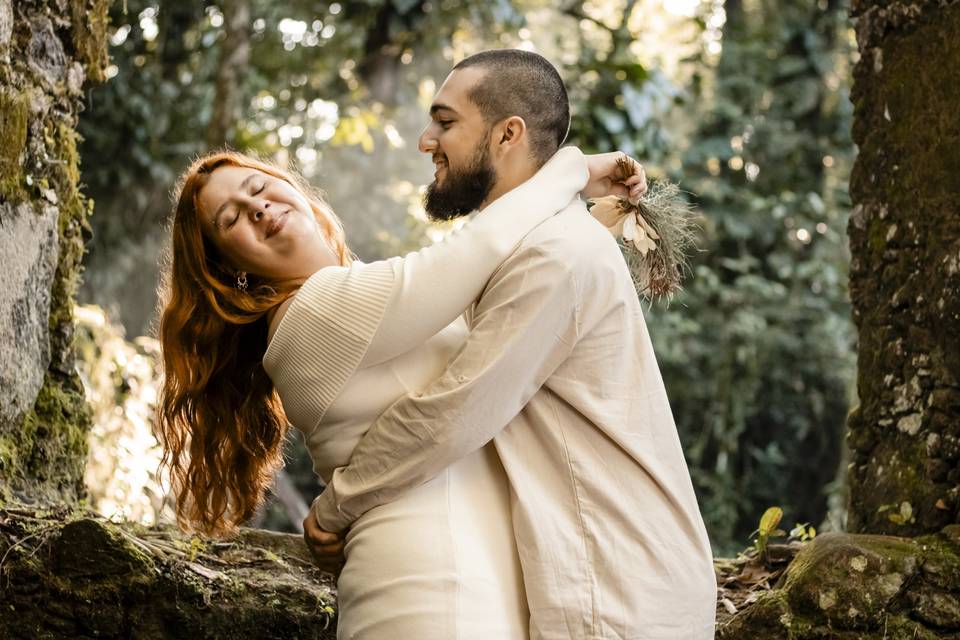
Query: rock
column 46, row 52
column 6, row 23
column 76, row 575
column 861, row 587
column 29, row 249
column 88, row 549
column 849, row 582
column 75, row 78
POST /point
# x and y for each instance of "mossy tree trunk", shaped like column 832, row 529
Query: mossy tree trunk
column 905, row 272
column 48, row 50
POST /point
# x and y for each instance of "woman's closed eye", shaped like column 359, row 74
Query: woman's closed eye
column 257, row 189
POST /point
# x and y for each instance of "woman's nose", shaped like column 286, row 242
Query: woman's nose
column 260, row 210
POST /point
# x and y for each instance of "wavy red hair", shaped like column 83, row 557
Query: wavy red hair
column 220, row 421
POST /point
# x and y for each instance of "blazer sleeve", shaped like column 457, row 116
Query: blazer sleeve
column 526, row 326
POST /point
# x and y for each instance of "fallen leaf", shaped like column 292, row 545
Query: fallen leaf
column 729, row 606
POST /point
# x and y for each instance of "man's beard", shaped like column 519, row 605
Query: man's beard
column 462, row 191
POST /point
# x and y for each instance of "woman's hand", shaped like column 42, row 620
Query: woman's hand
column 325, row 547
column 605, row 177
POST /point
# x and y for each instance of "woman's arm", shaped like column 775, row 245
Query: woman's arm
column 433, row 286
column 344, row 318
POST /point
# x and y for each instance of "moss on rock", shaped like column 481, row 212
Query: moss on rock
column 50, row 449
column 70, row 574
column 864, row 587
column 91, row 21
column 14, row 118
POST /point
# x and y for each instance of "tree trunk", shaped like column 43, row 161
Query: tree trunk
column 234, row 55
column 905, row 272
column 46, row 53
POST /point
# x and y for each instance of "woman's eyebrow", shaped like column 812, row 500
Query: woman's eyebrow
column 222, row 208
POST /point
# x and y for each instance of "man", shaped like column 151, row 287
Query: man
column 559, row 372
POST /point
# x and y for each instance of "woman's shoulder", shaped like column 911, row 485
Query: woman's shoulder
column 277, row 315
column 337, row 303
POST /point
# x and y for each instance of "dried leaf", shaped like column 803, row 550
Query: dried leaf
column 656, row 234
column 754, row 573
column 728, row 605
column 210, row 574
column 630, row 230
column 608, row 211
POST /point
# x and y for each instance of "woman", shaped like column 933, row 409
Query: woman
column 263, row 305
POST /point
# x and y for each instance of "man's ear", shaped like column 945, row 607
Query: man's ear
column 511, row 132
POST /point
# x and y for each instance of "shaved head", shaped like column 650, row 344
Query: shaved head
column 522, row 83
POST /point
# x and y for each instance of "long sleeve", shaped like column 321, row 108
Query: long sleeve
column 524, row 327
column 344, row 318
column 433, row 286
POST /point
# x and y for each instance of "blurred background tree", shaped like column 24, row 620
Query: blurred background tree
column 744, row 102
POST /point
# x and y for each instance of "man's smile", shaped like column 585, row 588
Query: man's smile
column 441, row 164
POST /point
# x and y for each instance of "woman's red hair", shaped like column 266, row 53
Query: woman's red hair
column 220, row 421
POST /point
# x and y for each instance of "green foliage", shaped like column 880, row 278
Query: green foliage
column 757, row 354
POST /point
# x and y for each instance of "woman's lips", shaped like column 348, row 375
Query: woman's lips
column 277, row 224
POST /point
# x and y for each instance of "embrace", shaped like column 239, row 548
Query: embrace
column 487, row 415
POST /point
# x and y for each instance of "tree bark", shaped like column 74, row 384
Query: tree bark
column 905, row 272
column 234, row 56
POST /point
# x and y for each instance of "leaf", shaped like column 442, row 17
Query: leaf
column 609, row 213
column 728, row 605
column 630, row 229
column 770, row 519
column 210, row 574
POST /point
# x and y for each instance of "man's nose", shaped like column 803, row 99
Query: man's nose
column 427, row 142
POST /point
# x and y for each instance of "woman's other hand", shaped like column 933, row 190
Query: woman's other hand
column 325, row 547
column 605, row 177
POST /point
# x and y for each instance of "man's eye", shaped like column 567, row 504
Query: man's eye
column 445, row 123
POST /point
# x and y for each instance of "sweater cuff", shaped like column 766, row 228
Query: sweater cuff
column 327, row 515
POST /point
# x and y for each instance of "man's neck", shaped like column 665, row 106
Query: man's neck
column 509, row 178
